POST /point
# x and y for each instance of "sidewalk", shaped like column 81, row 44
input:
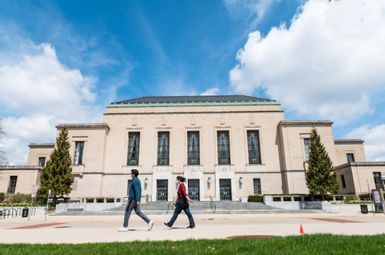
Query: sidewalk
column 81, row 229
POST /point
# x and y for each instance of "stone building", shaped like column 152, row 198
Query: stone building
column 228, row 147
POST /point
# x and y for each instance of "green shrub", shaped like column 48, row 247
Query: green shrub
column 255, row 198
column 110, row 200
column 359, row 202
column 365, row 196
column 40, row 199
column 89, row 200
column 18, row 198
column 2, row 196
column 14, row 205
column 350, row 197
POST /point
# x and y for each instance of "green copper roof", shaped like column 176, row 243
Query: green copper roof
column 194, row 101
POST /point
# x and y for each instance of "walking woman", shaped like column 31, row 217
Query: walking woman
column 181, row 202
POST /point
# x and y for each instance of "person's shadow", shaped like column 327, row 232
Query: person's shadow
column 179, row 228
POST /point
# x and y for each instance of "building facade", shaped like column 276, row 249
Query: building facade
column 227, row 147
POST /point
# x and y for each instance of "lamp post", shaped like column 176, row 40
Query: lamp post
column 209, row 182
column 382, row 194
column 367, row 182
column 241, row 180
column 145, row 182
column 46, row 206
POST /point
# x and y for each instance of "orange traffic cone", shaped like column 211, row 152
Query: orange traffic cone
column 301, row 232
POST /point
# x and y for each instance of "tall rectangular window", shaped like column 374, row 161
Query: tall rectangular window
column 306, row 142
column 41, row 161
column 12, row 184
column 79, row 147
column 193, row 153
column 163, row 148
column 350, row 157
column 254, row 147
column 377, row 180
column 343, row 181
column 133, row 148
column 223, row 143
column 257, row 186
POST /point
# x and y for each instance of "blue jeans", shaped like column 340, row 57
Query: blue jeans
column 177, row 211
column 131, row 205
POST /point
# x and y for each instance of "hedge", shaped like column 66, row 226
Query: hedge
column 255, row 198
column 14, row 205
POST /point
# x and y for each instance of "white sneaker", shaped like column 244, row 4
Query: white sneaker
column 123, row 229
column 150, row 225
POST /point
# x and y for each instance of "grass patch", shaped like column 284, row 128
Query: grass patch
column 311, row 244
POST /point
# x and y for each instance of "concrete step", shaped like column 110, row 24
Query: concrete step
column 199, row 205
column 196, row 212
column 311, row 205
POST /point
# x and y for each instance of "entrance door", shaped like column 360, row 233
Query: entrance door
column 161, row 190
column 193, row 189
column 225, row 189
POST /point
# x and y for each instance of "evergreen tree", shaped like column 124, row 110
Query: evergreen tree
column 57, row 174
column 321, row 178
column 3, row 157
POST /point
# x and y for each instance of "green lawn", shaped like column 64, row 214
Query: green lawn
column 310, row 244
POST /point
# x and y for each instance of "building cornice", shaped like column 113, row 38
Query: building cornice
column 21, row 168
column 42, row 145
column 305, row 123
column 103, row 173
column 83, row 126
column 348, row 141
column 357, row 164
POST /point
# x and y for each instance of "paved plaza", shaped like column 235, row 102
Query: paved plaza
column 82, row 229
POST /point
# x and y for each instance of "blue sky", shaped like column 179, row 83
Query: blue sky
column 66, row 60
column 181, row 46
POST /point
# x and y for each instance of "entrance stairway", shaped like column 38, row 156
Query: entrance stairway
column 197, row 207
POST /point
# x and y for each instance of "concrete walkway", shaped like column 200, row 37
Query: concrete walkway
column 82, row 229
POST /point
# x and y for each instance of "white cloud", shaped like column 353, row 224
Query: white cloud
column 69, row 79
column 37, row 93
column 326, row 64
column 21, row 131
column 40, row 80
column 210, row 92
column 374, row 137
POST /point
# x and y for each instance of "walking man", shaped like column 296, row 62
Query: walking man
column 134, row 195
